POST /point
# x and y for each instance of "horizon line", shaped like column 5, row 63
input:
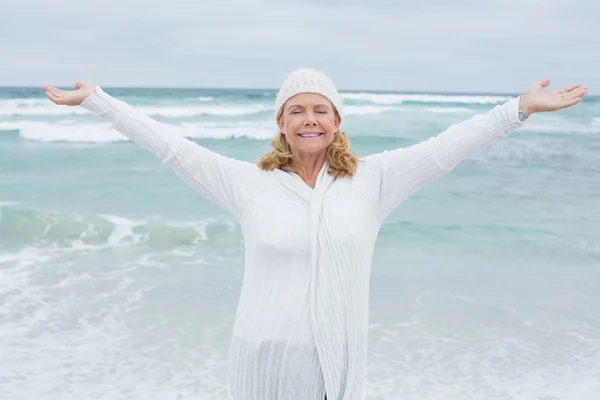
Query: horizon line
column 341, row 90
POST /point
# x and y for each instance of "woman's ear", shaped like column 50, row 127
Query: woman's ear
column 280, row 124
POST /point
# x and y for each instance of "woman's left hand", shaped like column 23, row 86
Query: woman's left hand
column 537, row 99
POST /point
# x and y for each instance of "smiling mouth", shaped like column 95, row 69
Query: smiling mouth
column 309, row 135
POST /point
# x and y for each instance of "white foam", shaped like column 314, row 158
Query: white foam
column 42, row 110
column 557, row 124
column 54, row 132
column 21, row 103
column 372, row 110
column 194, row 111
column 90, row 309
column 390, row 98
column 193, row 130
column 104, row 133
column 21, row 107
column 201, row 98
column 123, row 232
column 447, row 110
column 369, row 110
column 121, row 235
column 17, row 276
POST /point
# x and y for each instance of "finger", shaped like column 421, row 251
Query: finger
column 578, row 92
column 568, row 101
column 55, row 91
column 78, row 85
column 568, row 89
column 53, row 98
column 544, row 82
column 573, row 88
column 571, row 102
column 47, row 88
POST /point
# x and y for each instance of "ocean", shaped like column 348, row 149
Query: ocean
column 118, row 281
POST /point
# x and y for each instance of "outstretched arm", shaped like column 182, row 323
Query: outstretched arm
column 403, row 171
column 224, row 181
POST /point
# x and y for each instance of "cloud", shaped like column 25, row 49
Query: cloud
column 414, row 45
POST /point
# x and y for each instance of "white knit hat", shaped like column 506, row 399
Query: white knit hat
column 308, row 80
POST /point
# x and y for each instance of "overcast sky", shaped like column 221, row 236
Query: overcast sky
column 439, row 45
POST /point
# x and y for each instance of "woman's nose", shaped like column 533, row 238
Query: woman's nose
column 310, row 119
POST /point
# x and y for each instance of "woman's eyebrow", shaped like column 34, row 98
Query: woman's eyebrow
column 316, row 105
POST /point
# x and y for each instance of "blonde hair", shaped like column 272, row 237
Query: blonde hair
column 342, row 161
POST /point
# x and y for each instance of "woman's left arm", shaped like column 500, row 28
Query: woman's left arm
column 403, row 171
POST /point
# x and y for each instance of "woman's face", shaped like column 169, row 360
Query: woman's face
column 309, row 123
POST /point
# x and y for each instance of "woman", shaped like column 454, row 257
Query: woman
column 310, row 212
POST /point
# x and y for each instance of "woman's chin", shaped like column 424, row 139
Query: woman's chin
column 312, row 147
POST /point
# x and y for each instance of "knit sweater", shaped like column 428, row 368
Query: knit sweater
column 301, row 324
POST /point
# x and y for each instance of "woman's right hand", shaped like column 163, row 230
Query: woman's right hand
column 70, row 97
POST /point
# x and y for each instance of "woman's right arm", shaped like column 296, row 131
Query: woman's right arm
column 225, row 181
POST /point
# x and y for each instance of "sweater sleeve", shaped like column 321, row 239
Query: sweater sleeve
column 224, row 181
column 403, row 171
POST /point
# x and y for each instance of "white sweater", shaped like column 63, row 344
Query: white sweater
column 302, row 319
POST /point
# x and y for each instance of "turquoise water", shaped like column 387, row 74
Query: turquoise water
column 116, row 279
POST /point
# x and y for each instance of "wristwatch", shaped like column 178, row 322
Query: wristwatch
column 522, row 116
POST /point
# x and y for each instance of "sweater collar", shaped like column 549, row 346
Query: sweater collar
column 295, row 183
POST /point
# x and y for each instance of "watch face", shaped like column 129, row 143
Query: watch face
column 521, row 116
